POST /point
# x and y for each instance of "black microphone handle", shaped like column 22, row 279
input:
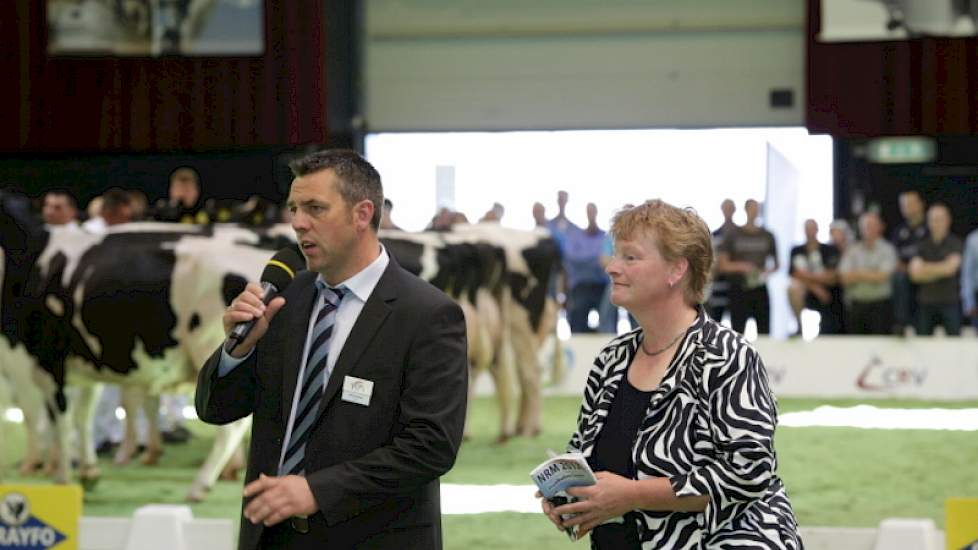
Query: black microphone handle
column 241, row 330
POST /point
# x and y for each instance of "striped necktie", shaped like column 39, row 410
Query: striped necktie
column 314, row 380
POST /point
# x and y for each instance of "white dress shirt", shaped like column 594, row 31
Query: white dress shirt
column 358, row 287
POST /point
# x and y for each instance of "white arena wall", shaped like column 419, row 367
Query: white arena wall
column 829, row 366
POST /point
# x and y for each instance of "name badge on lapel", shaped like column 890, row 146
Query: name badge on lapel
column 357, row 390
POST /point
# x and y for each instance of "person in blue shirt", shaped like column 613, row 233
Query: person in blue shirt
column 586, row 278
column 969, row 277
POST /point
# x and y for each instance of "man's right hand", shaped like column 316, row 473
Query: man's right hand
column 247, row 306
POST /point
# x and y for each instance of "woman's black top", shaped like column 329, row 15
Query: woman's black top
column 613, row 453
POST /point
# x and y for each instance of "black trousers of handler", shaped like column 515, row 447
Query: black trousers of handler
column 750, row 303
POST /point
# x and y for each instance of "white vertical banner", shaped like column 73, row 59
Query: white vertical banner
column 444, row 187
column 780, row 207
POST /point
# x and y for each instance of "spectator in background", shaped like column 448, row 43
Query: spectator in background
column 608, row 312
column 748, row 256
column 812, row 268
column 905, row 238
column 586, row 278
column 539, row 214
column 719, row 291
column 560, row 225
column 458, row 218
column 95, row 223
column 494, row 214
column 117, row 207
column 110, row 208
column 385, row 216
column 183, row 202
column 969, row 277
column 840, row 236
column 139, row 203
column 865, row 271
column 540, row 220
column 60, row 209
column 442, row 220
column 935, row 270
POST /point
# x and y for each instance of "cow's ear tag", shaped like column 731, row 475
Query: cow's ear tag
column 357, row 390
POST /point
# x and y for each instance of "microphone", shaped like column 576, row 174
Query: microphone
column 278, row 274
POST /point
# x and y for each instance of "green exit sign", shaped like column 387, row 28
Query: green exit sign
column 901, row 150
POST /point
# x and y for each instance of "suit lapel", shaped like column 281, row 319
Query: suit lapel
column 371, row 318
column 299, row 311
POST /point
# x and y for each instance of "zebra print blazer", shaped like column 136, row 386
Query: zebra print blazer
column 709, row 429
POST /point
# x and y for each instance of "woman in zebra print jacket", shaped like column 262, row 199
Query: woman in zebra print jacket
column 678, row 419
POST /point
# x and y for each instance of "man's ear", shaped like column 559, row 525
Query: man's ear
column 363, row 213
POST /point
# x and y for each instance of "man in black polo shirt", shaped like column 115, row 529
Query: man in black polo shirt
column 719, row 299
column 748, row 255
column 905, row 239
column 812, row 268
column 935, row 270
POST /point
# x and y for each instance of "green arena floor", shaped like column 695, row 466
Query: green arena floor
column 835, row 476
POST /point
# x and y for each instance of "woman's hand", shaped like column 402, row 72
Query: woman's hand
column 612, row 496
column 548, row 509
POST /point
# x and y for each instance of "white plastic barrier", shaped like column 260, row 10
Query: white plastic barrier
column 218, row 534
column 155, row 526
column 922, row 536
column 828, row 366
column 907, row 534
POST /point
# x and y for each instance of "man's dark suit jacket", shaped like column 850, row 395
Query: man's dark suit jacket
column 373, row 469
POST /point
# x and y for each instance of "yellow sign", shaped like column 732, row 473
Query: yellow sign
column 39, row 517
column 961, row 529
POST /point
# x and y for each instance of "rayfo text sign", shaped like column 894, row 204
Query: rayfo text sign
column 39, row 517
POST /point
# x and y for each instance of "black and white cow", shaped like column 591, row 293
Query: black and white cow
column 500, row 278
column 139, row 306
column 530, row 314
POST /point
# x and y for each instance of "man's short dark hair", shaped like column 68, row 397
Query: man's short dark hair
column 115, row 198
column 63, row 193
column 359, row 180
column 186, row 171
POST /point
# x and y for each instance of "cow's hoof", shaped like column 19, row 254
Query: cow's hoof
column 229, row 473
column 50, row 469
column 122, row 457
column 197, row 494
column 89, row 477
column 502, row 439
column 28, row 468
column 529, row 432
column 151, row 457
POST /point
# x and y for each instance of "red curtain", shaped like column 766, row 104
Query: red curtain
column 177, row 103
column 924, row 86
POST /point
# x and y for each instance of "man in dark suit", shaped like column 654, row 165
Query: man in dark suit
column 358, row 386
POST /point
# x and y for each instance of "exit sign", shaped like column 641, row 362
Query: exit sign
column 893, row 150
